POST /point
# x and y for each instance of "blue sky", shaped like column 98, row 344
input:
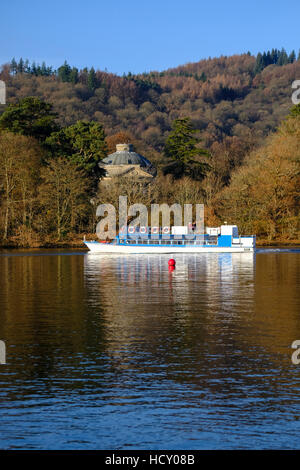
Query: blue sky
column 139, row 36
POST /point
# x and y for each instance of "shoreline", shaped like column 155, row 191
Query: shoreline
column 78, row 244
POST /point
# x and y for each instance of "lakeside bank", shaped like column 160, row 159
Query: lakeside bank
column 76, row 241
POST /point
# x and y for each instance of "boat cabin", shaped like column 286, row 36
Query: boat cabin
column 223, row 236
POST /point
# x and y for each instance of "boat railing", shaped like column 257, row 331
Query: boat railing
column 152, row 231
column 183, row 242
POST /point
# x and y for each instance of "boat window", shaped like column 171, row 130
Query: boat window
column 212, row 240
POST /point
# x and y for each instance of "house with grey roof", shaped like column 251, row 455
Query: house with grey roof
column 124, row 162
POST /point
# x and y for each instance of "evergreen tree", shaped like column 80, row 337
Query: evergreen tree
column 30, row 117
column 64, row 72
column 74, row 75
column 264, row 60
column 84, row 144
column 259, row 65
column 268, row 58
column 292, row 57
column 13, row 66
column 20, row 67
column 44, row 71
column 274, row 56
column 182, row 148
column 27, row 66
column 92, row 79
column 283, row 57
column 33, row 68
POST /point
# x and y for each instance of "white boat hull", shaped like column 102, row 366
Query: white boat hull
column 106, row 248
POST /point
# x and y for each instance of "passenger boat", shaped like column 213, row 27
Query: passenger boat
column 178, row 239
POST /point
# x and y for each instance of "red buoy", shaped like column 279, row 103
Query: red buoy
column 171, row 262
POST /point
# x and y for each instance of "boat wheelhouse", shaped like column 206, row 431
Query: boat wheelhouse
column 177, row 239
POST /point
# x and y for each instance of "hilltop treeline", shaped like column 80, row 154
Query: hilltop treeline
column 241, row 96
column 275, row 57
column 236, row 109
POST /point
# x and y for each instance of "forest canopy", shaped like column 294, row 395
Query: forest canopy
column 237, row 112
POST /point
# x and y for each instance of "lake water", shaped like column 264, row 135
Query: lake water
column 121, row 353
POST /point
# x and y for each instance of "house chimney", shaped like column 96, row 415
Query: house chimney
column 124, row 147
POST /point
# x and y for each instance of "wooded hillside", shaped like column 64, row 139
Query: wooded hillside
column 239, row 106
column 225, row 97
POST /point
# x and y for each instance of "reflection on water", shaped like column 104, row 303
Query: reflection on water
column 119, row 352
